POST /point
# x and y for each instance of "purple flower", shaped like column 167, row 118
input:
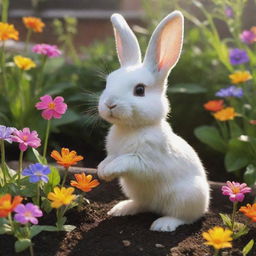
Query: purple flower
column 248, row 37
column 37, row 172
column 27, row 213
column 238, row 56
column 229, row 12
column 48, row 50
column 6, row 133
column 26, row 138
column 235, row 191
column 231, row 91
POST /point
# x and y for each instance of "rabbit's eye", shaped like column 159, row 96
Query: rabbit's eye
column 139, row 90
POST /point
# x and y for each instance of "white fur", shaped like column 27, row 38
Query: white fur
column 158, row 170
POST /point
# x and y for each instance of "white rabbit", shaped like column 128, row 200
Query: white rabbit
column 158, row 170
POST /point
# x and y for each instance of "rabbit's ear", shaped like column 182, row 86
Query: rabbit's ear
column 165, row 45
column 127, row 45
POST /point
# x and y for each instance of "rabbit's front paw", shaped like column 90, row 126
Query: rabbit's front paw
column 106, row 173
column 126, row 207
column 166, row 224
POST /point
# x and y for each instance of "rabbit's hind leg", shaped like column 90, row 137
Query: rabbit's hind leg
column 126, row 207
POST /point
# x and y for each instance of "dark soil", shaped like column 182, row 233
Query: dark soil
column 100, row 235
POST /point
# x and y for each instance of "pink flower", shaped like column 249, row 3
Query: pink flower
column 235, row 191
column 46, row 49
column 26, row 138
column 27, row 213
column 248, row 36
column 51, row 108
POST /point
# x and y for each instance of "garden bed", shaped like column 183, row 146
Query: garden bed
column 99, row 234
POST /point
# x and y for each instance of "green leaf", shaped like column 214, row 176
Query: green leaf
column 235, row 129
column 235, row 161
column 28, row 189
column 4, row 227
column 46, row 205
column 186, row 88
column 250, row 175
column 38, row 157
column 36, row 229
column 22, row 245
column 54, row 180
column 210, row 136
column 226, row 220
column 241, row 232
column 248, row 247
column 239, row 155
column 54, row 176
column 68, row 228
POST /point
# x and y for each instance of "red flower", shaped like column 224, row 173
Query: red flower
column 214, row 105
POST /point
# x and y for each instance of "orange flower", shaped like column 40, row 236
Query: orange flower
column 249, row 211
column 214, row 105
column 33, row 23
column 83, row 182
column 66, row 158
column 7, row 205
column 8, row 31
column 225, row 114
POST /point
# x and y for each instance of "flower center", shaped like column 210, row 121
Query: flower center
column 217, row 241
column 236, row 190
column 25, row 137
column 6, row 205
column 38, row 173
column 28, row 214
column 51, row 105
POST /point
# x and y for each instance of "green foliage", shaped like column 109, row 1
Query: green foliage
column 248, row 247
column 211, row 136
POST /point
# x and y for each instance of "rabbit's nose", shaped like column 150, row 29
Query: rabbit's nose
column 111, row 106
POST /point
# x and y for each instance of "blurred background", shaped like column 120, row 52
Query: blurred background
column 82, row 29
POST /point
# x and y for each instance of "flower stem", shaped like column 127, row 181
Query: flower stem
column 3, row 161
column 3, row 69
column 46, row 139
column 233, row 216
column 10, row 221
column 39, row 80
column 216, row 252
column 65, row 177
column 20, row 166
column 27, row 40
column 5, row 6
column 59, row 216
column 38, row 194
column 31, row 250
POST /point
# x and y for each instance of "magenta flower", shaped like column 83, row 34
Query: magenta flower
column 26, row 139
column 248, row 36
column 48, row 50
column 27, row 213
column 229, row 12
column 51, row 108
column 235, row 191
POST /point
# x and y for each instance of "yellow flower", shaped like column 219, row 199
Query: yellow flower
column 240, row 77
column 218, row 237
column 33, row 23
column 225, row 114
column 61, row 196
column 24, row 63
column 8, row 31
